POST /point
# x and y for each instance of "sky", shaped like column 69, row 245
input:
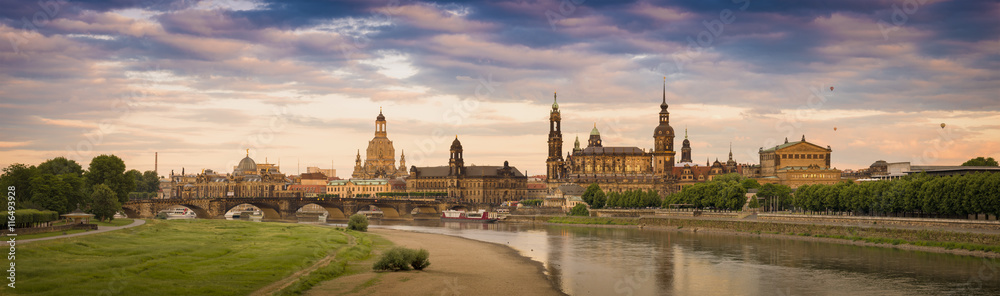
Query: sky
column 299, row 83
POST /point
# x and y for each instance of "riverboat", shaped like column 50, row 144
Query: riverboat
column 480, row 216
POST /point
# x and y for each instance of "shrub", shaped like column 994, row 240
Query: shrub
column 579, row 210
column 420, row 259
column 358, row 222
column 397, row 259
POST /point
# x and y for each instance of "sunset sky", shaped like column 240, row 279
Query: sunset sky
column 301, row 82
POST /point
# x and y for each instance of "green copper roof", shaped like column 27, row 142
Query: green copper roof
column 594, row 132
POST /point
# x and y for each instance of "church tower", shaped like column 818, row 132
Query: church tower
column 456, row 166
column 663, row 140
column 686, row 148
column 554, row 162
column 595, row 138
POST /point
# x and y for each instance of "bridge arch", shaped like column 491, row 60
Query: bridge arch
column 131, row 213
column 334, row 211
column 271, row 212
column 388, row 211
column 199, row 212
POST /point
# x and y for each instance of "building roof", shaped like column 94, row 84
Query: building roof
column 246, row 165
column 571, row 189
column 951, row 168
column 313, row 176
column 470, row 171
column 358, row 182
column 789, row 144
column 308, row 188
column 613, row 150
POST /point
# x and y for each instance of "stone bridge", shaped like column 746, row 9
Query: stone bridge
column 277, row 208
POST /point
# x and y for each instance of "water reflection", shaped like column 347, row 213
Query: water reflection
column 619, row 261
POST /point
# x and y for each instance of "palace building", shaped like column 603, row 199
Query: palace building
column 481, row 184
column 613, row 168
column 249, row 179
column 797, row 163
column 380, row 157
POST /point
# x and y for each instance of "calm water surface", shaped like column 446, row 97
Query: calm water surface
column 627, row 261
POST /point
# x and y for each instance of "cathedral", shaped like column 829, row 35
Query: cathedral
column 380, row 157
column 614, row 169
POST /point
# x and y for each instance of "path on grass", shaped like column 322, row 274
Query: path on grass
column 291, row 279
column 100, row 229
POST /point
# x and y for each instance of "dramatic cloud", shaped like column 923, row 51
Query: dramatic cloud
column 302, row 81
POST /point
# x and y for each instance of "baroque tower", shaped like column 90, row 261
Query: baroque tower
column 686, row 148
column 595, row 138
column 663, row 140
column 554, row 162
column 456, row 166
column 380, row 157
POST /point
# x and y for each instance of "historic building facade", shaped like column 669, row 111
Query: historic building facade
column 797, row 163
column 357, row 188
column 483, row 184
column 249, row 179
column 613, row 168
column 380, row 157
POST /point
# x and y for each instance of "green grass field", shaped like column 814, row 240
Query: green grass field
column 175, row 257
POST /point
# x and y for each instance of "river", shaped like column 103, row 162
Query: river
column 630, row 261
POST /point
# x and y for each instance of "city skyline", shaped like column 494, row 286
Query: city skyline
column 199, row 82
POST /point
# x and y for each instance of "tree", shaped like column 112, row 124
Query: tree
column 594, row 196
column 60, row 165
column 981, row 161
column 19, row 176
column 579, row 210
column 110, row 170
column 754, row 203
column 750, row 183
column 358, row 222
column 728, row 177
column 50, row 193
column 104, row 202
column 150, row 181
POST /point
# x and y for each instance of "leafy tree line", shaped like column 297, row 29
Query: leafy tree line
column 724, row 192
column 634, row 199
column 976, row 193
column 62, row 185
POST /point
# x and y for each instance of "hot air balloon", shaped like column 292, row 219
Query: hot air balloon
column 942, row 125
column 834, row 128
column 831, row 88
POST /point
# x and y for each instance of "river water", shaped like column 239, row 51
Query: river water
column 629, row 261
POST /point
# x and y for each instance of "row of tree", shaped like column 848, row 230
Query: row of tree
column 634, row 199
column 975, row 193
column 62, row 185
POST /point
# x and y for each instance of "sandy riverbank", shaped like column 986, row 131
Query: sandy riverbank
column 459, row 266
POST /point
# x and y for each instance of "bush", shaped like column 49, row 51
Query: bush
column 420, row 259
column 579, row 210
column 358, row 222
column 397, row 259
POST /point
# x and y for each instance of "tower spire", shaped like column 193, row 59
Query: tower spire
column 686, row 134
column 664, row 90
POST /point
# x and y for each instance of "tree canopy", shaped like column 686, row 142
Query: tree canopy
column 110, row 170
column 981, row 161
column 105, row 203
column 594, row 196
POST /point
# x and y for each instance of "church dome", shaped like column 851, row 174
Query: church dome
column 246, row 165
column 380, row 116
column 687, row 143
column 456, row 144
column 594, row 131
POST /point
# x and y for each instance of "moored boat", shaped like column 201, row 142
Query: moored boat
column 480, row 216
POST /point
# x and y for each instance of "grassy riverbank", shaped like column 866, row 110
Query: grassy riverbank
column 184, row 257
column 871, row 234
